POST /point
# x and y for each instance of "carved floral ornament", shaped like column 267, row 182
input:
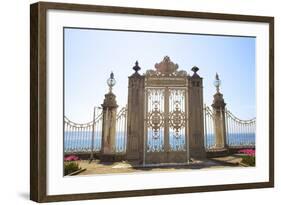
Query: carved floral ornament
column 166, row 68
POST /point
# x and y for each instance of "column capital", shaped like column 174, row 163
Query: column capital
column 109, row 101
column 218, row 102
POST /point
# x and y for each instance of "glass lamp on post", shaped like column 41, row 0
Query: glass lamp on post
column 111, row 82
column 109, row 112
column 219, row 115
column 217, row 83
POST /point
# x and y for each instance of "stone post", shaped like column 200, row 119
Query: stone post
column 195, row 116
column 135, row 123
column 109, row 112
column 219, row 117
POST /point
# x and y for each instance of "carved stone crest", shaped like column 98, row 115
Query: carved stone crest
column 166, row 68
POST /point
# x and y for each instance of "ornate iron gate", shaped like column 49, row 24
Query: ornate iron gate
column 165, row 120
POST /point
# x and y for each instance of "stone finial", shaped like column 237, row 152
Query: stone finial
column 136, row 68
column 195, row 70
column 166, row 66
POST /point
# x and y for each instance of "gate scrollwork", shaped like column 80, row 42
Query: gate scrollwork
column 155, row 120
column 177, row 119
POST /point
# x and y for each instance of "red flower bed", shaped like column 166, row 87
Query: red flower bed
column 249, row 157
column 249, row 152
column 71, row 158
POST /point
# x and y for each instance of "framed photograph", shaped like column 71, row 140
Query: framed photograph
column 133, row 102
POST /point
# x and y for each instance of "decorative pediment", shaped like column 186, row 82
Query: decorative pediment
column 166, row 68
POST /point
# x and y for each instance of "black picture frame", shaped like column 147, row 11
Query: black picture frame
column 38, row 100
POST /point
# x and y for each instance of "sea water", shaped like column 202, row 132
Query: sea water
column 78, row 140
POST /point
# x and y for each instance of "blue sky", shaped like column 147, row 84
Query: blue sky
column 90, row 56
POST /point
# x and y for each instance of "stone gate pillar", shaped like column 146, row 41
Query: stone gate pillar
column 135, row 123
column 109, row 111
column 195, row 116
column 219, row 117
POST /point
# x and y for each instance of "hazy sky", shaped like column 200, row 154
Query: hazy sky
column 90, row 56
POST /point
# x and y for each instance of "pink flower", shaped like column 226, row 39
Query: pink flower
column 71, row 158
column 249, row 152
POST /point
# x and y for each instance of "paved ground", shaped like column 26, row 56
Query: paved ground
column 96, row 167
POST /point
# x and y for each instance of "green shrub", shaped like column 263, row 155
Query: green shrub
column 249, row 160
column 70, row 167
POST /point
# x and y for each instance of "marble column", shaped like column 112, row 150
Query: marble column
column 135, row 125
column 195, row 115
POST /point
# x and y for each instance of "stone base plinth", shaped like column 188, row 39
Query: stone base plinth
column 166, row 157
column 197, row 153
column 134, row 156
column 217, row 152
column 112, row 157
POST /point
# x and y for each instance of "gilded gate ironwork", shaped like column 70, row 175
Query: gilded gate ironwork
column 165, row 129
column 155, row 119
column 177, row 119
